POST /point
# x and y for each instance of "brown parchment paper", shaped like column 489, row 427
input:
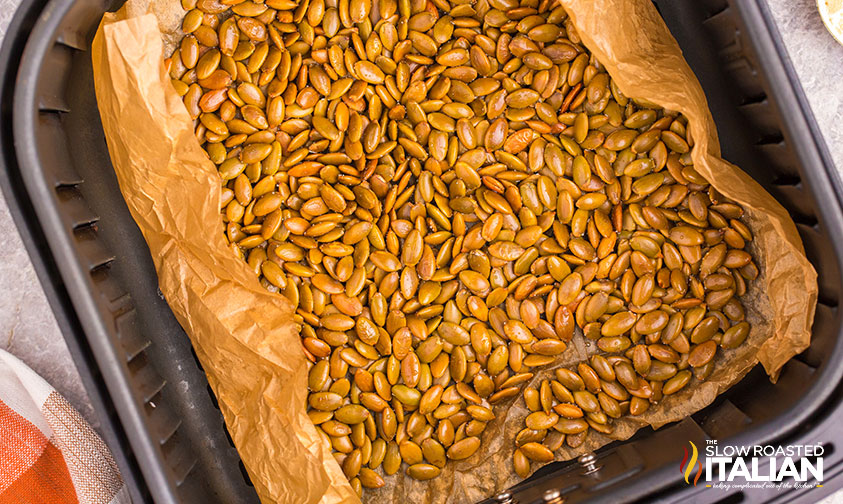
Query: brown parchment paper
column 244, row 335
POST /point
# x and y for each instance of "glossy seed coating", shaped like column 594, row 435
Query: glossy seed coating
column 448, row 194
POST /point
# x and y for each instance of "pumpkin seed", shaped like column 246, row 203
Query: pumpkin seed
column 444, row 197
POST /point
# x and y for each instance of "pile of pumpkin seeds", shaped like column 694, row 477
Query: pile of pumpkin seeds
column 446, row 192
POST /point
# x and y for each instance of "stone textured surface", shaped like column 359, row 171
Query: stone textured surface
column 816, row 56
column 28, row 328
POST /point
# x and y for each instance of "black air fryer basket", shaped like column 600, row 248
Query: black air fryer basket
column 157, row 411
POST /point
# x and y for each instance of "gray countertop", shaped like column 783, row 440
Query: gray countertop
column 29, row 330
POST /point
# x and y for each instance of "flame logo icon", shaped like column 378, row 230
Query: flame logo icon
column 690, row 464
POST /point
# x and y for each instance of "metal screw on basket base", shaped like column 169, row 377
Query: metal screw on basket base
column 504, row 498
column 553, row 496
column 589, row 463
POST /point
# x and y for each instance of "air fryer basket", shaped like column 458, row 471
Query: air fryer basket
column 158, row 412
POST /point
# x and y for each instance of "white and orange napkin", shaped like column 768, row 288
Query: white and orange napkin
column 48, row 452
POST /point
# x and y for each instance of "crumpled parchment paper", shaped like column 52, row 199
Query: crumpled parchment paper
column 244, row 335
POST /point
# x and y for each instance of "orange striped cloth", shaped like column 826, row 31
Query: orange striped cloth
column 48, row 452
